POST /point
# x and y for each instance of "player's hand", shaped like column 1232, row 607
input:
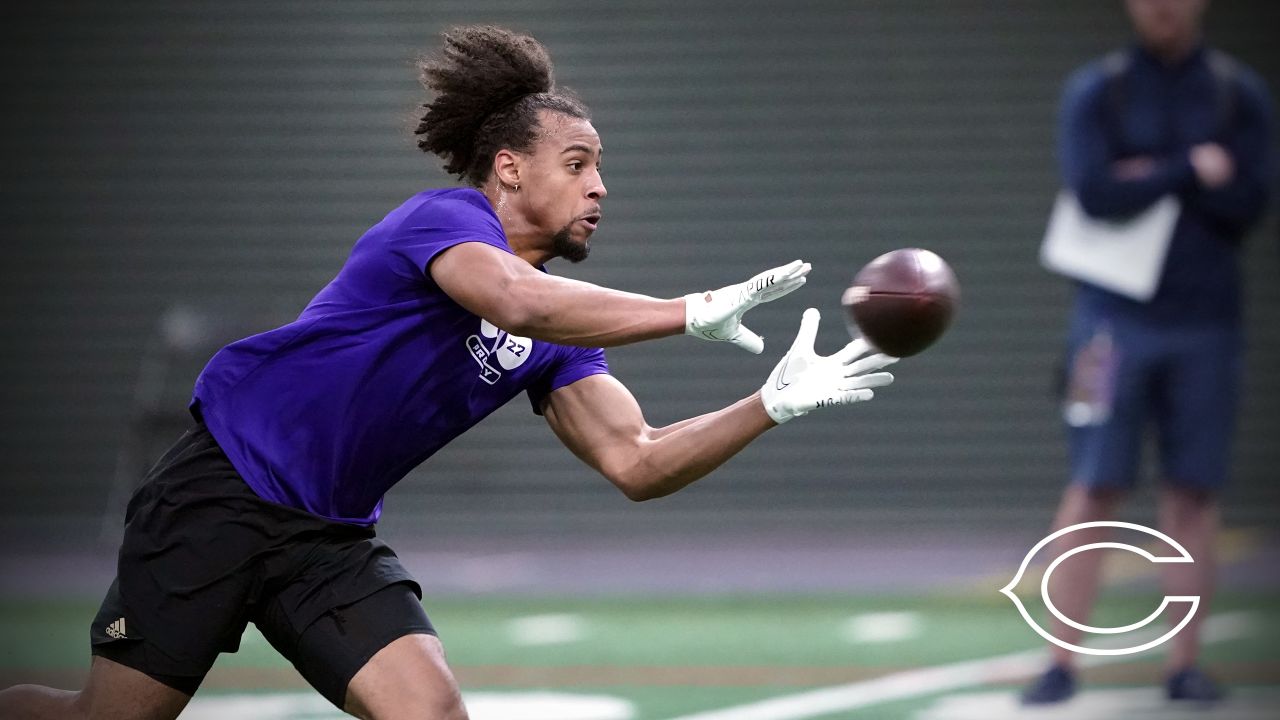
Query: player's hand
column 804, row 380
column 717, row 314
column 1213, row 165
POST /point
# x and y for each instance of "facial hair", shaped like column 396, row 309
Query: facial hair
column 563, row 245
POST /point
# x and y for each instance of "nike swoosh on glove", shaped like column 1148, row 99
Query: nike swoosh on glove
column 803, row 381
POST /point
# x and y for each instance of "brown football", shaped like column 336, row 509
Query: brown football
column 903, row 300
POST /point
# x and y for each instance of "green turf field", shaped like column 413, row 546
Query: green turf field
column 724, row 658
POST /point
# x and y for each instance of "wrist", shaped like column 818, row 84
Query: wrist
column 692, row 303
column 773, row 408
column 759, row 408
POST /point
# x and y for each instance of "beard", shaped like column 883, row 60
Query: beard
column 563, row 245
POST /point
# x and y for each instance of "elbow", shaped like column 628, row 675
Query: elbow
column 640, row 473
column 637, row 489
column 1097, row 202
column 639, row 493
column 638, row 484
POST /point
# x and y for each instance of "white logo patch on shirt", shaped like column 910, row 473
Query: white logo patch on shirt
column 496, row 345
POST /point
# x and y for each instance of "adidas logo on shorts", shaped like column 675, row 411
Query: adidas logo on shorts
column 116, row 630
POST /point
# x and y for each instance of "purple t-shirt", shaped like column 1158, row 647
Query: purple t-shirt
column 380, row 370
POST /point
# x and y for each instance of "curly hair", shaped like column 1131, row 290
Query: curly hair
column 489, row 84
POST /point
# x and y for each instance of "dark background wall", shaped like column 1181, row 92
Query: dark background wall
column 221, row 157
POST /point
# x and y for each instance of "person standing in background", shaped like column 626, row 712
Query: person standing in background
column 1168, row 116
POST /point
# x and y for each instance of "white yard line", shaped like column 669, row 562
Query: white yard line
column 558, row 629
column 926, row 681
column 882, row 627
column 1131, row 703
column 535, row 705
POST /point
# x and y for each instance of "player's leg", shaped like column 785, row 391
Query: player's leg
column 112, row 691
column 187, row 569
column 180, row 593
column 118, row 691
column 37, row 702
column 407, row 679
column 376, row 657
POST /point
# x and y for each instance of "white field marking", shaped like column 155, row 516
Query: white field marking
column 557, row 629
column 253, row 637
column 480, row 706
column 255, row 706
column 926, row 681
column 881, row 627
column 1146, row 703
column 547, row 706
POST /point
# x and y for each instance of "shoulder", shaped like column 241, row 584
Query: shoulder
column 431, row 222
column 1246, row 81
column 1087, row 82
column 444, row 217
column 449, row 207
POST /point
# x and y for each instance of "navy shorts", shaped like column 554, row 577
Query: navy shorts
column 1125, row 378
column 203, row 556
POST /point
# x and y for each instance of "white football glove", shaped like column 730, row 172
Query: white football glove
column 717, row 314
column 804, row 380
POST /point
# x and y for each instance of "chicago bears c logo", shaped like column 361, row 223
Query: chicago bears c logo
column 1181, row 556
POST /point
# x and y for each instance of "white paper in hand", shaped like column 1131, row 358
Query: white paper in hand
column 1125, row 257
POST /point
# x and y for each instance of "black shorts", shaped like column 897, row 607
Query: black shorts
column 203, row 556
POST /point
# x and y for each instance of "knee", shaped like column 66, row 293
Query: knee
column 1105, row 498
column 443, row 707
column 1183, row 510
column 435, row 706
column 452, row 711
column 1190, row 499
column 430, row 709
column 1082, row 502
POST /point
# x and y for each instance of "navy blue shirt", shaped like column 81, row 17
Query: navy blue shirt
column 1161, row 112
column 380, row 371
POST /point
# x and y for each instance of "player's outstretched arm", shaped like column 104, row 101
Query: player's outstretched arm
column 518, row 298
column 601, row 422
